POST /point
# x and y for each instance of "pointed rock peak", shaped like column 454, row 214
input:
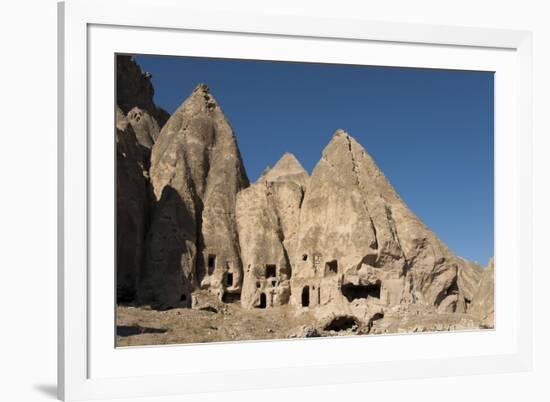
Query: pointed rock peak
column 340, row 133
column 287, row 168
column 201, row 98
column 199, row 101
column 344, row 145
column 202, row 87
column 341, row 142
column 288, row 164
column 342, row 136
column 348, row 157
column 264, row 173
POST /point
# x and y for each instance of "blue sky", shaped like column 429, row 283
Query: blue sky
column 430, row 131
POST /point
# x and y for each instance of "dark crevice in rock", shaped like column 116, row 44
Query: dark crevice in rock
column 451, row 290
column 356, row 173
column 352, row 292
column 342, row 323
column 375, row 317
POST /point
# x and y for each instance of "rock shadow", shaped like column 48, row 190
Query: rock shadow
column 126, row 330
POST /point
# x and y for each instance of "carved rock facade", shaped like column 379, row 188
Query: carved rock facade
column 267, row 218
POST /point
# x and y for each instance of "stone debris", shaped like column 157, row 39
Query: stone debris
column 305, row 332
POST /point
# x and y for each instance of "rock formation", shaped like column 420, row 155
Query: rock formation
column 483, row 303
column 267, row 218
column 135, row 90
column 340, row 246
column 468, row 283
column 361, row 250
column 145, row 126
column 196, row 172
column 131, row 190
column 138, row 121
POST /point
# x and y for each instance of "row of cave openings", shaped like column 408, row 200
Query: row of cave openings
column 270, row 271
column 349, row 291
column 271, row 276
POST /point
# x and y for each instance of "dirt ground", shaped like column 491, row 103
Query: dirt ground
column 208, row 321
column 213, row 321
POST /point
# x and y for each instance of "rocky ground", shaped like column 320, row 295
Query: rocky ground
column 212, row 321
column 207, row 321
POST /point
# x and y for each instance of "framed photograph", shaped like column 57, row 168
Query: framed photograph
column 255, row 201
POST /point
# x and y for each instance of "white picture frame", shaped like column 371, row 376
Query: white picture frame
column 89, row 365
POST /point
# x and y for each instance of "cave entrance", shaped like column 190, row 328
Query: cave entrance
column 230, row 297
column 341, row 323
column 263, row 301
column 305, row 296
column 211, row 264
column 375, row 317
column 353, row 292
column 451, row 290
column 331, row 267
column 467, row 304
column 270, row 270
column 229, row 279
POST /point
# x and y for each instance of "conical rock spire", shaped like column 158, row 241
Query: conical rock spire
column 352, row 218
column 267, row 217
column 196, row 157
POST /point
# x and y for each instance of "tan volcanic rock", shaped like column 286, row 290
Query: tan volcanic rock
column 196, row 155
column 469, row 275
column 145, row 126
column 267, row 219
column 131, row 198
column 360, row 245
column 483, row 304
column 346, row 243
column 287, row 169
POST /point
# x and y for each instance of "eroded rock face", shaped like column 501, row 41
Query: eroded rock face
column 267, row 219
column 483, row 304
column 469, row 275
column 138, row 122
column 145, row 126
column 134, row 89
column 360, row 247
column 131, row 214
column 166, row 279
column 197, row 157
